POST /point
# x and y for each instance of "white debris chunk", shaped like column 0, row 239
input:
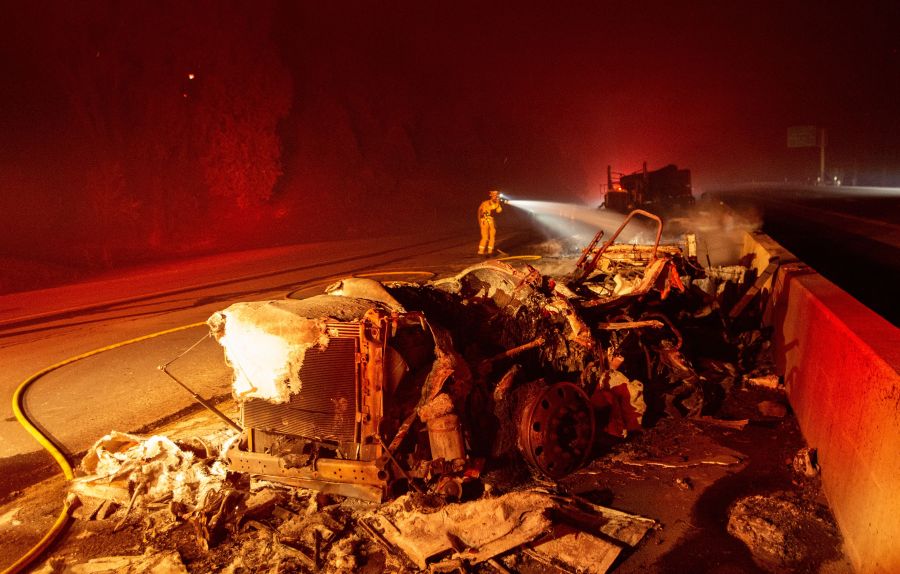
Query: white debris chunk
column 265, row 342
column 485, row 527
column 580, row 551
column 625, row 285
column 768, row 381
column 158, row 467
column 152, row 561
column 806, row 462
column 9, row 518
column 783, row 532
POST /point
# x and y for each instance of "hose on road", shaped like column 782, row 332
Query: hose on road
column 18, row 410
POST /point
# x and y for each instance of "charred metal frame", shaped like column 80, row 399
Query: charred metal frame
column 584, row 268
column 369, row 469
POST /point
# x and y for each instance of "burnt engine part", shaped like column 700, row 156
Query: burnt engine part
column 356, row 370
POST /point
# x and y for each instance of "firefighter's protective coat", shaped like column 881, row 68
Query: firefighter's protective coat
column 486, row 223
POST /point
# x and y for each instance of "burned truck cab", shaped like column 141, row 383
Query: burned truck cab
column 313, row 378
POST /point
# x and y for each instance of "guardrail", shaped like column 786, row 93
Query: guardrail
column 840, row 363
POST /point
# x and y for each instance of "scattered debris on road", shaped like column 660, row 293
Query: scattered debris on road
column 806, row 462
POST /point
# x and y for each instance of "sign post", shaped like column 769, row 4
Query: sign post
column 809, row 136
column 822, row 155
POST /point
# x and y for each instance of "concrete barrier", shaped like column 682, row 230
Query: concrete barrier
column 840, row 365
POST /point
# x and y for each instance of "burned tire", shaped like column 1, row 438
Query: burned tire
column 556, row 430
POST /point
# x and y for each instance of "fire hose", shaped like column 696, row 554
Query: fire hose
column 18, row 410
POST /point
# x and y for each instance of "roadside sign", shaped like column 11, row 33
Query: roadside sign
column 802, row 136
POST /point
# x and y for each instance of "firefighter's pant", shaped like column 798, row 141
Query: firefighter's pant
column 488, row 231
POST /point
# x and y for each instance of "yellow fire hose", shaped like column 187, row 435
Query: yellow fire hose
column 62, row 520
column 374, row 274
column 519, row 258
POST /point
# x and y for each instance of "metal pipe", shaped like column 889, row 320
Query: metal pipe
column 616, row 326
column 516, row 350
column 209, row 406
column 203, row 401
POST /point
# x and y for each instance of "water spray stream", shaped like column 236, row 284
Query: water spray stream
column 575, row 222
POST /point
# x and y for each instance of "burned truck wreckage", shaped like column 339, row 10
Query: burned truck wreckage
column 460, row 424
column 372, row 389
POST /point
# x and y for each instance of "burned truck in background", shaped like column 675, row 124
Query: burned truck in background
column 372, row 389
column 660, row 190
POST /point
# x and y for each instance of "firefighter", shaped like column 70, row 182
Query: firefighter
column 486, row 222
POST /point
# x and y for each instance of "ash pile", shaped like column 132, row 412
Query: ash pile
column 392, row 427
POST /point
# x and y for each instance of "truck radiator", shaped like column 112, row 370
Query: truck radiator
column 326, row 406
